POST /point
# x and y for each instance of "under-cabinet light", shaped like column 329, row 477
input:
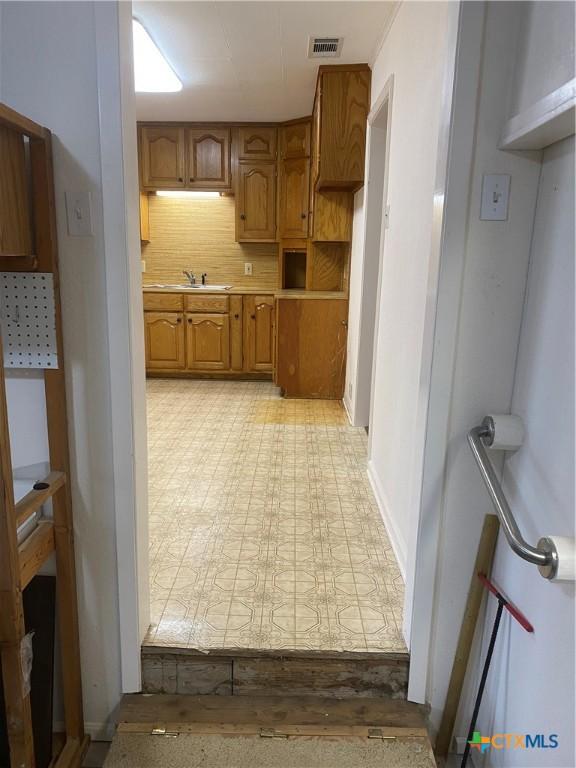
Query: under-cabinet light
column 185, row 193
column 152, row 73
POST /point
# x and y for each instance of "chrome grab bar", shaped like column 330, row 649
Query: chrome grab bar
column 544, row 556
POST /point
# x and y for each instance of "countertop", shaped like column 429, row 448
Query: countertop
column 278, row 293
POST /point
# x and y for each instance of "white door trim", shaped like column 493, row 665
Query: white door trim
column 125, row 330
column 454, row 169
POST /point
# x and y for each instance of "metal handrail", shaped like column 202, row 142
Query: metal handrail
column 540, row 557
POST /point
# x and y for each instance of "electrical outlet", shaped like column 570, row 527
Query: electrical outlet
column 247, row 268
column 143, row 264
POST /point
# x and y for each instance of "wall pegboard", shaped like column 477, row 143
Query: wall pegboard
column 28, row 320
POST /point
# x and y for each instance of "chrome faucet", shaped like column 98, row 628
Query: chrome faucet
column 204, row 276
column 190, row 275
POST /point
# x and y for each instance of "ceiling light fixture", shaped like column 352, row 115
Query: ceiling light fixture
column 152, row 73
column 185, row 193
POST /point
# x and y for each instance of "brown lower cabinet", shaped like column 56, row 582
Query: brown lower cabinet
column 311, row 347
column 195, row 334
column 208, row 342
column 258, row 333
column 164, row 339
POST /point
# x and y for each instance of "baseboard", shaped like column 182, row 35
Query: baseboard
column 398, row 544
column 346, row 405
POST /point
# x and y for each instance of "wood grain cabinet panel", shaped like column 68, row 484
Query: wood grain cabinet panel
column 162, row 157
column 209, row 158
column 256, row 202
column 164, row 340
column 340, row 117
column 294, row 197
column 236, row 323
column 15, row 227
column 295, row 140
column 208, row 342
column 311, row 347
column 257, row 142
column 332, row 215
column 259, row 333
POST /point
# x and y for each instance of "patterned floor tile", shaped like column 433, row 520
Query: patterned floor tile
column 264, row 533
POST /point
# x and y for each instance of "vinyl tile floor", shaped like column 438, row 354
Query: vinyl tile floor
column 264, row 531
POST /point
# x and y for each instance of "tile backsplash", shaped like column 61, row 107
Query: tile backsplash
column 198, row 234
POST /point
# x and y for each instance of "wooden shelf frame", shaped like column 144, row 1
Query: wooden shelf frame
column 19, row 563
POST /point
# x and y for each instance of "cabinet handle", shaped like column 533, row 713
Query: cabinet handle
column 178, row 319
column 243, row 216
column 253, row 317
column 303, row 215
column 180, row 178
column 190, row 320
column 236, row 316
column 191, row 178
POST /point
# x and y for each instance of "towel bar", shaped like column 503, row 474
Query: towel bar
column 545, row 555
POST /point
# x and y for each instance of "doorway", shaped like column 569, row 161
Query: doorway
column 365, row 277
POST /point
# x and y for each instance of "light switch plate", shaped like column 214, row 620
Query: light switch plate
column 79, row 213
column 495, row 196
column 247, row 268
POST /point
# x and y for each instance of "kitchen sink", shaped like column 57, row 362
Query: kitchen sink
column 189, row 286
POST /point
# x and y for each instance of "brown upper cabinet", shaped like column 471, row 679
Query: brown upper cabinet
column 295, row 139
column 176, row 157
column 208, row 158
column 256, row 202
column 341, row 110
column 294, row 180
column 294, row 197
column 162, row 157
column 257, row 142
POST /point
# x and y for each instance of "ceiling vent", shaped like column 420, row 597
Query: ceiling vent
column 322, row 47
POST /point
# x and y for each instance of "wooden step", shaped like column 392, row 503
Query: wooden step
column 271, row 732
column 184, row 671
column 205, row 714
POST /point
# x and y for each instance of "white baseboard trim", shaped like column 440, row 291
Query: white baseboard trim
column 96, row 731
column 347, row 408
column 398, row 544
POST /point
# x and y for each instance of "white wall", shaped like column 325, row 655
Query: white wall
column 531, row 689
column 355, row 308
column 52, row 70
column 490, row 304
column 414, row 54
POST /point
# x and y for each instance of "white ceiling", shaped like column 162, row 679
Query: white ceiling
column 248, row 60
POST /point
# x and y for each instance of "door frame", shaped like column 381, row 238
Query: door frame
column 375, row 201
column 447, row 261
column 120, row 194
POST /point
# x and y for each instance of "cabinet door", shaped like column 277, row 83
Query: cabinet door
column 208, row 158
column 164, row 339
column 162, row 157
column 256, row 203
column 259, row 333
column 208, row 342
column 295, row 140
column 311, row 347
column 294, row 197
column 257, row 142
